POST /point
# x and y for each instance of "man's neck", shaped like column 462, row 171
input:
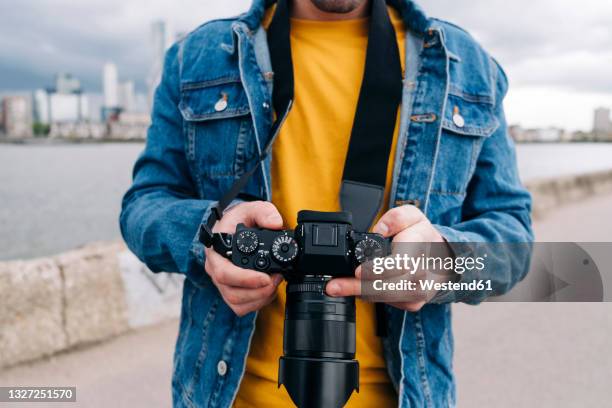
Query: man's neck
column 305, row 10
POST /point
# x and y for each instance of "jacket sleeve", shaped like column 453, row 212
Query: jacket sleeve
column 161, row 212
column 496, row 212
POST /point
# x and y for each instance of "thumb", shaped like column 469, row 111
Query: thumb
column 264, row 215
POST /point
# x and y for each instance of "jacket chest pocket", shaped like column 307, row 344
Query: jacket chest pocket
column 219, row 131
column 468, row 121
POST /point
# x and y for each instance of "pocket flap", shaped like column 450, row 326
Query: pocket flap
column 211, row 100
column 469, row 118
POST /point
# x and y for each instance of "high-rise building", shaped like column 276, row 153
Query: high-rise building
column 127, row 96
column 17, row 116
column 67, row 84
column 51, row 107
column 110, row 85
column 161, row 39
column 602, row 123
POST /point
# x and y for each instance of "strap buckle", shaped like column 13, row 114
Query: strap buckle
column 221, row 242
column 206, row 235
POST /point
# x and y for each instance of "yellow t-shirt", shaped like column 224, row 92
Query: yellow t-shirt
column 307, row 166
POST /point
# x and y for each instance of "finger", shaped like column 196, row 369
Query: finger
column 256, row 213
column 398, row 219
column 264, row 215
column 223, row 272
column 261, row 214
column 343, row 287
column 422, row 232
column 415, row 234
column 244, row 309
column 239, row 296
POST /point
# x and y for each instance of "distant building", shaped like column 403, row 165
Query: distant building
column 17, row 116
column 130, row 126
column 67, row 84
column 602, row 124
column 51, row 106
column 77, row 130
column 551, row 134
column 127, row 96
column 63, row 102
column 161, row 39
column 110, row 85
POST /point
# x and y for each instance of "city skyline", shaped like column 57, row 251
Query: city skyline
column 556, row 78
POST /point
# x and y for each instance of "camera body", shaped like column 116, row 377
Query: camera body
column 322, row 244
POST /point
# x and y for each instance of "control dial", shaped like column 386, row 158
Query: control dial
column 247, row 242
column 284, row 249
column 367, row 249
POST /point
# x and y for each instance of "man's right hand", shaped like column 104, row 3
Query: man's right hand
column 244, row 290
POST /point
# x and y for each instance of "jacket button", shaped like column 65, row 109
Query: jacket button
column 221, row 368
column 266, row 105
column 221, row 104
column 458, row 120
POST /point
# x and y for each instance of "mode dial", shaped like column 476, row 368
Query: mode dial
column 247, row 242
column 367, row 249
column 284, row 249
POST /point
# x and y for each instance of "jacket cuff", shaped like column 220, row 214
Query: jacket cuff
column 458, row 243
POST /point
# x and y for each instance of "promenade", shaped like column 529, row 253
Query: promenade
column 507, row 355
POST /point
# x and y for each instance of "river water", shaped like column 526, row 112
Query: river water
column 57, row 197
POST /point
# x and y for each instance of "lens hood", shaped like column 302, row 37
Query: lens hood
column 318, row 383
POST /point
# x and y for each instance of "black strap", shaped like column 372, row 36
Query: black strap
column 279, row 43
column 365, row 168
column 379, row 99
column 382, row 329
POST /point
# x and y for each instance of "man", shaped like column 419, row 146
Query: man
column 451, row 178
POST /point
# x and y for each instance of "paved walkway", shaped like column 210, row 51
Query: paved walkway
column 507, row 355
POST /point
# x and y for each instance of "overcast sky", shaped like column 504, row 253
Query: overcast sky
column 558, row 53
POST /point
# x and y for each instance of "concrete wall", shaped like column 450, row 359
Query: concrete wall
column 556, row 192
column 97, row 292
column 79, row 297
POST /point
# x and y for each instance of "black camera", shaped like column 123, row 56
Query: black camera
column 318, row 367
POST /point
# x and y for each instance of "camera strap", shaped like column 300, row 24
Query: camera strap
column 365, row 169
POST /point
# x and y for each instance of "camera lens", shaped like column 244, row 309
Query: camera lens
column 318, row 367
column 317, row 325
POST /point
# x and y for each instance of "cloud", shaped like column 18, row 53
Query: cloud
column 563, row 46
column 557, row 54
column 547, row 34
column 39, row 38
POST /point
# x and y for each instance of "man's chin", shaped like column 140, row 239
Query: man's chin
column 337, row 6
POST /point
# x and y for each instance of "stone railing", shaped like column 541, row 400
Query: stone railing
column 551, row 193
column 79, row 297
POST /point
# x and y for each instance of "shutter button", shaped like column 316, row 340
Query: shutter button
column 221, row 368
column 221, row 104
column 458, row 120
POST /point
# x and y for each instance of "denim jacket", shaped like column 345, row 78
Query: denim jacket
column 454, row 160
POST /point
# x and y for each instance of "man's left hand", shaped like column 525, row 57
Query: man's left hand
column 406, row 224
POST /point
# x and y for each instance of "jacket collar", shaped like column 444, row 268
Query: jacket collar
column 414, row 17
